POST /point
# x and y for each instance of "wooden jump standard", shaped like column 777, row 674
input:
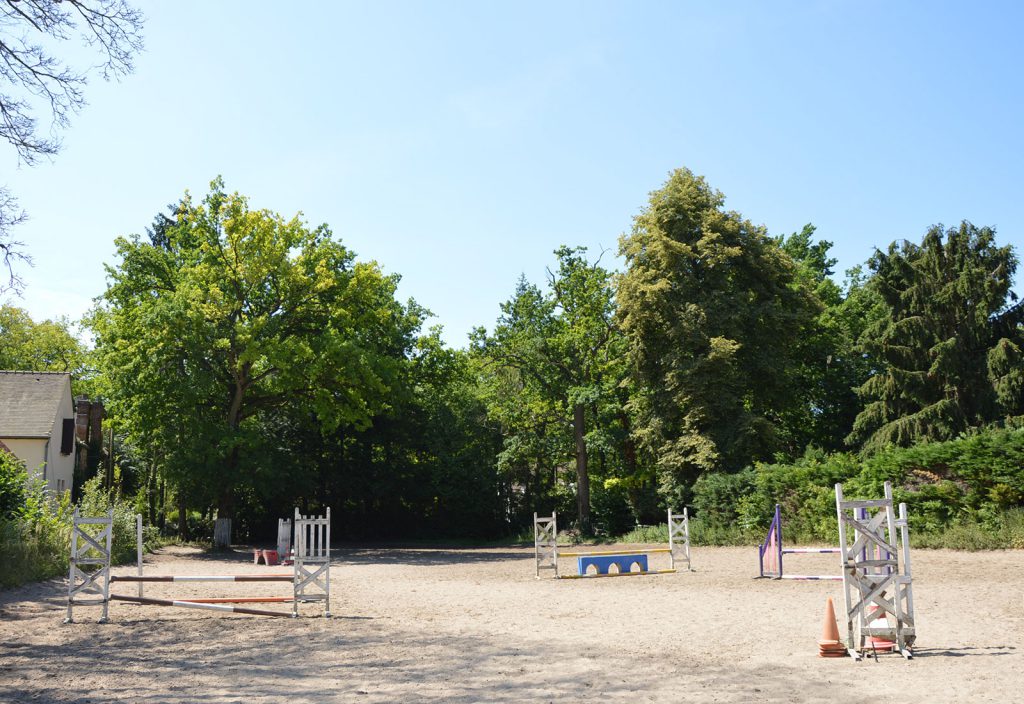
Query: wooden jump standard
column 310, row 576
column 877, row 583
column 546, row 552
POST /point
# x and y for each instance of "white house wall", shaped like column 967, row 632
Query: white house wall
column 31, row 451
column 60, row 468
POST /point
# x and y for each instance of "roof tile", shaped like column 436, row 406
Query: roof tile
column 29, row 402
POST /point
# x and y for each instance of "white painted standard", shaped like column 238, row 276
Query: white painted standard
column 311, row 576
column 545, row 543
column 679, row 538
column 91, row 539
column 877, row 583
column 312, row 560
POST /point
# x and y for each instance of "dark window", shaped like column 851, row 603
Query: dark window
column 67, row 440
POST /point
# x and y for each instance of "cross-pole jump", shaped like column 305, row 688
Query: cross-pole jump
column 89, row 572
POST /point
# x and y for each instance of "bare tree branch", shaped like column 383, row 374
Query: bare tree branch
column 11, row 252
column 33, row 79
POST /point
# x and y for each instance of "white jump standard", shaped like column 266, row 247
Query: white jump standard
column 877, row 582
column 546, row 552
column 94, row 554
column 310, row 577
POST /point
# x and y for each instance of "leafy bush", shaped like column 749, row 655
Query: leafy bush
column 609, row 508
column 717, row 497
column 707, row 533
column 13, row 478
column 965, row 493
column 96, row 501
column 35, row 536
column 645, row 534
column 34, row 540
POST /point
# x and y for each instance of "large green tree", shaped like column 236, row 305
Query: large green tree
column 712, row 309
column 47, row 346
column 829, row 366
column 227, row 314
column 944, row 351
column 424, row 465
column 557, row 362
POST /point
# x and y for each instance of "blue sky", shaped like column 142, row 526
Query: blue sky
column 459, row 143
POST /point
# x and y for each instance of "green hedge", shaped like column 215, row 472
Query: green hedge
column 966, row 493
column 35, row 527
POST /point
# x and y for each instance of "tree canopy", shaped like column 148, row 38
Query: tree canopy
column 945, row 348
column 229, row 313
column 252, row 363
column 556, row 359
column 48, row 346
column 713, row 310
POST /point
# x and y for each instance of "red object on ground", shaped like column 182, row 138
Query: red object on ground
column 270, row 557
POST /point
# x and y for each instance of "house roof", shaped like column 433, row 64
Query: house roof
column 29, row 402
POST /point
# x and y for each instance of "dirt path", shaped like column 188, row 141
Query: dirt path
column 474, row 625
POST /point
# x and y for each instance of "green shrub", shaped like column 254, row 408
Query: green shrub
column 96, row 501
column 965, row 493
column 34, row 542
column 705, row 533
column 645, row 534
column 717, row 496
column 35, row 537
column 609, row 508
column 13, row 478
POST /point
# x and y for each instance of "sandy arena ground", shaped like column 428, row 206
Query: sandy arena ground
column 415, row 625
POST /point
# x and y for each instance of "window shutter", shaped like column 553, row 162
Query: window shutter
column 67, row 438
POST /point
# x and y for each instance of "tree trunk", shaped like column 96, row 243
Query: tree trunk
column 163, row 506
column 151, row 492
column 582, row 477
column 183, row 520
column 225, row 511
column 226, row 500
column 222, row 533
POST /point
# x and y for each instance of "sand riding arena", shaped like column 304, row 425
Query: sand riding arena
column 476, row 625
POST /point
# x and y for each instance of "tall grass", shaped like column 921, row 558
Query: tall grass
column 35, row 537
column 1005, row 531
column 34, row 541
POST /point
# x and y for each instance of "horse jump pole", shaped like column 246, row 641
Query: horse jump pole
column 89, row 572
column 198, row 605
column 204, row 578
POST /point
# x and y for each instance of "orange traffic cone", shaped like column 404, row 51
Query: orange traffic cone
column 830, row 646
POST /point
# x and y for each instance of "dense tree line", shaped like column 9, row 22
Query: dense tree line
column 251, row 363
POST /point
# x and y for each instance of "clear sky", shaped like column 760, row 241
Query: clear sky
column 459, row 143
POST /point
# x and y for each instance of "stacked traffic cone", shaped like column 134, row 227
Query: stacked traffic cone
column 830, row 646
column 881, row 645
